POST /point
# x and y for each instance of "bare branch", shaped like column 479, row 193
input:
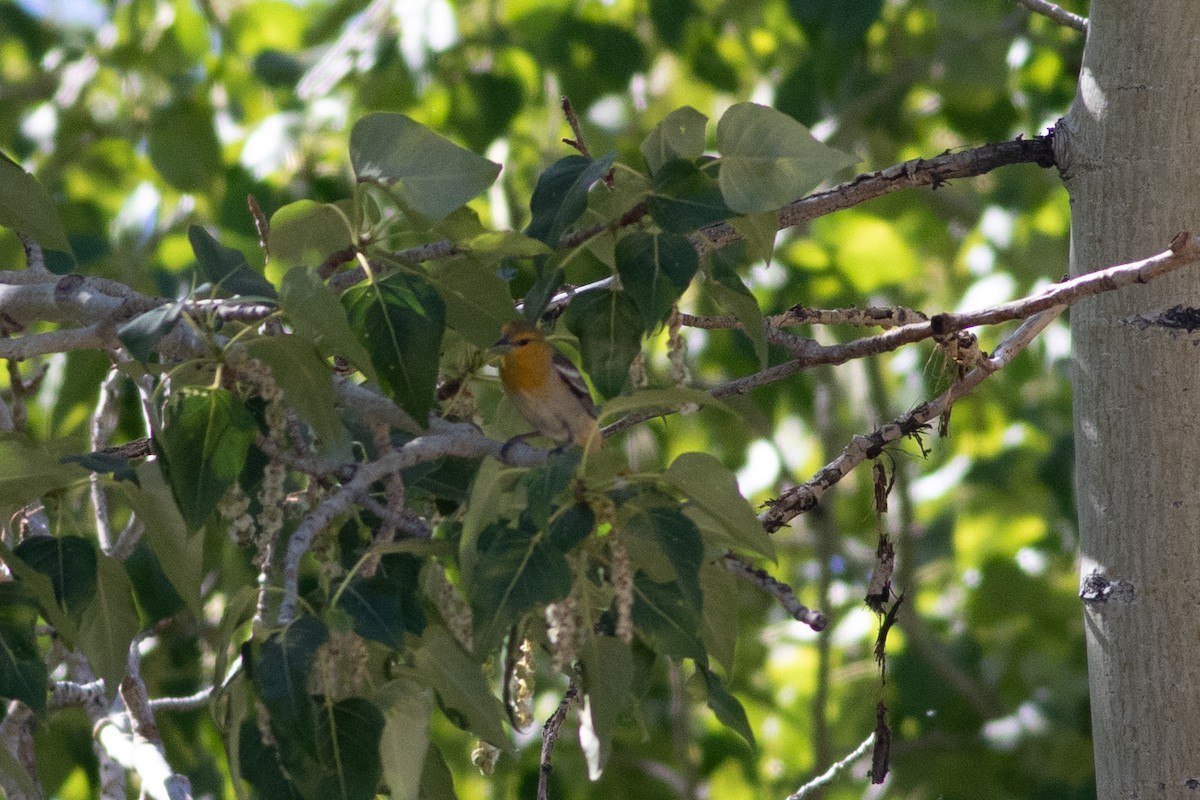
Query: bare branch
column 827, row 777
column 1185, row 250
column 449, row 439
column 550, row 736
column 1056, row 13
column 777, row 589
column 802, row 498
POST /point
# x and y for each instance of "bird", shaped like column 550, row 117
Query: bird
column 546, row 388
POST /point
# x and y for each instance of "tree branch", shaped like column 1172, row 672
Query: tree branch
column 827, row 777
column 550, row 736
column 1056, row 13
column 777, row 589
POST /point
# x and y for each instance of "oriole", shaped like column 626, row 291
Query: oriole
column 545, row 387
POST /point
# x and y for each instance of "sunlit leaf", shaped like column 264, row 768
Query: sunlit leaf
column 313, row 311
column 305, row 233
column 431, row 174
column 769, row 159
column 404, row 743
column 179, row 552
column 680, row 134
column 307, row 385
column 109, row 623
column 706, row 482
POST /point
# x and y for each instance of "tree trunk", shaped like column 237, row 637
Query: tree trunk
column 1130, row 151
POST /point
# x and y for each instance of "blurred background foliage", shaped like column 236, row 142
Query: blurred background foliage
column 142, row 116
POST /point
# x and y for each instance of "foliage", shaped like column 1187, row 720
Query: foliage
column 389, row 248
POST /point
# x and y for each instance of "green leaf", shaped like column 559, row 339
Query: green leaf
column 719, row 621
column 686, row 198
column 571, row 527
column 732, row 295
column 142, row 334
column 437, row 782
column 675, row 537
column 609, row 327
column 226, row 267
column 307, row 385
column 42, row 589
column 476, row 297
column 348, row 735
column 385, row 606
column 607, row 681
column 305, row 233
column 517, row 570
column 206, row 439
column 313, row 311
column 704, row 480
column 29, row 471
column 680, row 134
column 23, row 671
column 432, row 175
column 655, row 269
column 727, row 707
column 109, row 623
column 404, row 743
column 400, row 321
column 70, row 564
column 183, row 145
column 560, row 197
column 280, row 670
column 544, row 484
column 179, row 554
column 759, row 231
column 461, row 686
column 769, row 159
column 260, row 765
column 26, row 207
column 663, row 616
column 655, row 399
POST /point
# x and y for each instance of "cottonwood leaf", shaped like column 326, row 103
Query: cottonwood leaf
column 705, row 481
column 768, row 159
column 206, row 439
column 431, row 174
column 314, row 312
column 655, row 269
column 26, row 207
column 400, row 320
column 680, row 134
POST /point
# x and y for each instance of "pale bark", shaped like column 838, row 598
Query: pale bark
column 1130, row 151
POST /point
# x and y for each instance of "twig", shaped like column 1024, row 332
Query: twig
column 1056, row 13
column 827, row 777
column 802, row 498
column 449, row 439
column 573, row 120
column 261, row 225
column 1184, row 250
column 16, row 736
column 35, row 258
column 104, row 422
column 188, row 703
column 550, row 735
column 777, row 589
